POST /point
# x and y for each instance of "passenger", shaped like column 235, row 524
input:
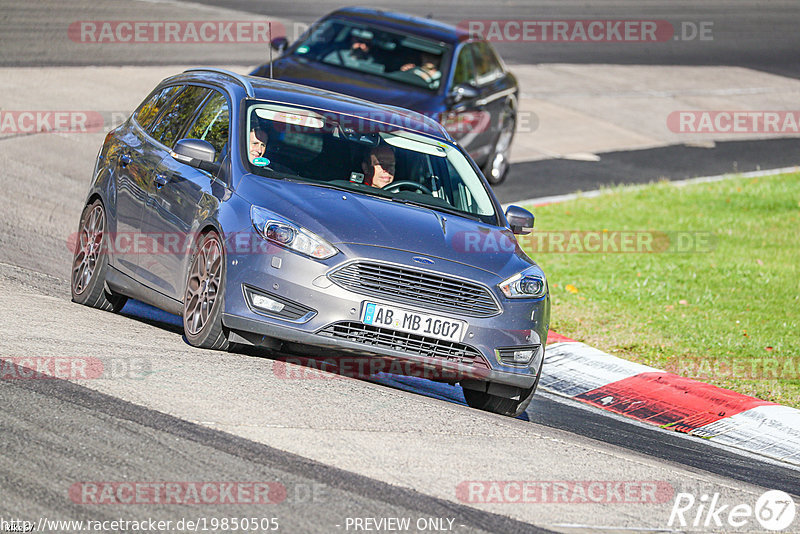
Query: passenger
column 379, row 166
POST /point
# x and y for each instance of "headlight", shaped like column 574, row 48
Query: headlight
column 529, row 284
column 283, row 232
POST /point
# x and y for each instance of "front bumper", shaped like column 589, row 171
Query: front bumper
column 336, row 310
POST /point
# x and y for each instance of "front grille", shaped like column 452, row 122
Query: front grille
column 410, row 343
column 427, row 289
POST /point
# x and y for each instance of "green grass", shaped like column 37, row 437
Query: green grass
column 727, row 313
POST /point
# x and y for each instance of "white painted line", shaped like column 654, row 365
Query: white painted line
column 592, row 528
column 732, row 91
column 678, row 183
column 573, row 368
column 770, row 430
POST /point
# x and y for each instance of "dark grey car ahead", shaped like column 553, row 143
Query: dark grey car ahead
column 468, row 88
column 291, row 249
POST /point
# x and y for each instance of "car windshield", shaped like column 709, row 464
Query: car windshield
column 403, row 58
column 368, row 156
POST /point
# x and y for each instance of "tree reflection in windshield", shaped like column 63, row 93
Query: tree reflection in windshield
column 367, row 155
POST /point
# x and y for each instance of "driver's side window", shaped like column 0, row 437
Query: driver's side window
column 465, row 68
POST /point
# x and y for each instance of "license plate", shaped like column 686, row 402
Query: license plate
column 413, row 322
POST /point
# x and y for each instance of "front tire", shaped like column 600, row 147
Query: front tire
column 482, row 400
column 90, row 263
column 204, row 296
column 497, row 166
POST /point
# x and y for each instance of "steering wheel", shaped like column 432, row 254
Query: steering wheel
column 394, row 187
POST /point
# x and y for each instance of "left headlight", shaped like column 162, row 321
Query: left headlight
column 284, row 232
column 529, row 284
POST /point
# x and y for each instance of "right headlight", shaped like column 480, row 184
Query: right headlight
column 286, row 233
column 528, row 284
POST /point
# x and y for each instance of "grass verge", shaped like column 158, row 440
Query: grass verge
column 708, row 286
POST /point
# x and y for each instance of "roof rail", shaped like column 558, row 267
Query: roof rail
column 244, row 82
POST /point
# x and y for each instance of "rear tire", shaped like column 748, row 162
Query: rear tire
column 203, row 300
column 90, row 262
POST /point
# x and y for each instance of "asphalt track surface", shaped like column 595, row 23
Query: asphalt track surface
column 122, row 440
column 746, row 34
column 743, row 34
column 676, row 162
column 120, row 443
column 749, row 34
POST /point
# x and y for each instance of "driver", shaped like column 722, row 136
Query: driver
column 258, row 140
column 379, row 166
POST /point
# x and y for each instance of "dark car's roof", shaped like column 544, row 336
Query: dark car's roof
column 431, row 29
column 320, row 99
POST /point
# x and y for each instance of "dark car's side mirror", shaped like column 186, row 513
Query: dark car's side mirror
column 279, row 44
column 196, row 153
column 520, row 220
column 463, row 91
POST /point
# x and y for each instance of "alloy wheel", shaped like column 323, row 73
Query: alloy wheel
column 89, row 249
column 203, row 285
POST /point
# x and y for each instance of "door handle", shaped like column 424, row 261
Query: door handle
column 160, row 181
column 125, row 160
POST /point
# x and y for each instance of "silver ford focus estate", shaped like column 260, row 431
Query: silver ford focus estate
column 277, row 215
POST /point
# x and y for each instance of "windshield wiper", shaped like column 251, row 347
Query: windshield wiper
column 436, row 207
column 327, row 185
column 376, row 194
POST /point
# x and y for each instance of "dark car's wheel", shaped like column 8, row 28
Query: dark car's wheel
column 89, row 265
column 203, row 300
column 502, row 405
column 496, row 168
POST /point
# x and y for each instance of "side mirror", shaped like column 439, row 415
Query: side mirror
column 196, row 153
column 520, row 220
column 463, row 91
column 279, row 44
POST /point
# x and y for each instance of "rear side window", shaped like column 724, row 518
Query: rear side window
column 175, row 119
column 212, row 124
column 149, row 110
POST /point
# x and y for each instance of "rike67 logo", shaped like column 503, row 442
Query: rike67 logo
column 774, row 510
